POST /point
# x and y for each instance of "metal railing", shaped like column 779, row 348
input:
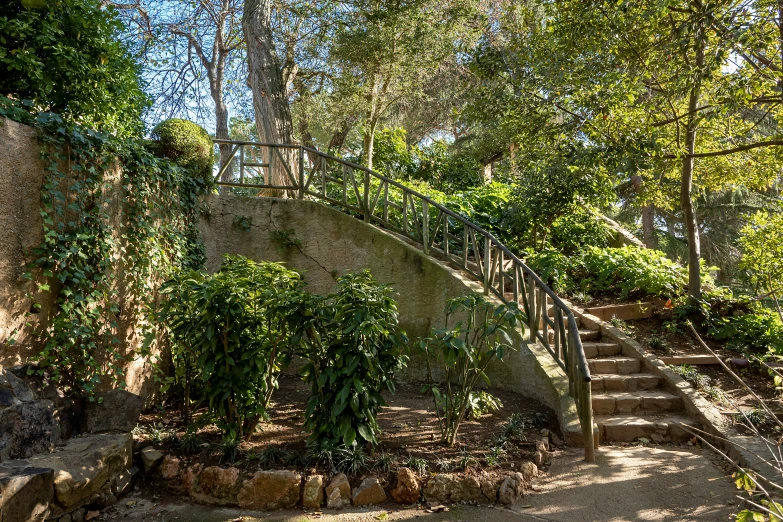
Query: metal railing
column 307, row 173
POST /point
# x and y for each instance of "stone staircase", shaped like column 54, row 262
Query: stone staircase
column 629, row 402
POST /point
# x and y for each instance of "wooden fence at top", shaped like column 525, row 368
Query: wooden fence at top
column 436, row 230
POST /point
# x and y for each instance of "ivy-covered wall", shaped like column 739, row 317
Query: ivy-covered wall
column 89, row 227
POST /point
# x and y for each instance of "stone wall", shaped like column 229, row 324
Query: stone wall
column 323, row 243
column 21, row 231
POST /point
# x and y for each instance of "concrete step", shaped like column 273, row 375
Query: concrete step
column 659, row 428
column 584, row 335
column 619, row 365
column 624, row 383
column 624, row 312
column 593, row 349
column 635, row 402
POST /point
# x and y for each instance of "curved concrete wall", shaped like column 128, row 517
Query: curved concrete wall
column 329, row 243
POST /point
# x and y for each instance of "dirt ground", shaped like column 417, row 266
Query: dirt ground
column 408, row 424
column 630, row 483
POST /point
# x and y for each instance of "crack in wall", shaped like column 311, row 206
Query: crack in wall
column 299, row 248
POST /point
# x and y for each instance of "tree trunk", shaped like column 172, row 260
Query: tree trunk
column 369, row 142
column 648, row 226
column 686, row 182
column 487, row 173
column 270, row 103
column 221, row 126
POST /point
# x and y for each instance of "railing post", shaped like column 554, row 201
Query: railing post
column 586, row 420
column 425, row 226
column 366, row 196
column 241, row 164
column 487, row 263
column 301, row 173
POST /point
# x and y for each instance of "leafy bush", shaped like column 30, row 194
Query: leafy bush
column 188, row 144
column 354, row 348
column 463, row 352
column 626, row 270
column 65, row 57
column 231, row 329
column 762, row 257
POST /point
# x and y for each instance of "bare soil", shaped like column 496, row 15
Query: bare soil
column 408, row 424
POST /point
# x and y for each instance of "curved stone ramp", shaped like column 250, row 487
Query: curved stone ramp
column 324, row 243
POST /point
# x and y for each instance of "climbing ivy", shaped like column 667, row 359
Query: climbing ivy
column 116, row 222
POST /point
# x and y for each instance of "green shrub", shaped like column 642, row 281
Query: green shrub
column 463, row 352
column 354, row 348
column 232, row 331
column 188, row 144
column 65, row 57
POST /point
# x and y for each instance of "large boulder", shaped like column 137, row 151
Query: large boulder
column 408, row 488
column 511, row 489
column 440, row 487
column 467, row 489
column 114, row 410
column 340, row 484
column 25, row 493
column 216, row 485
column 169, row 467
column 27, row 424
column 368, row 492
column 313, row 492
column 150, row 457
column 270, row 490
column 85, row 464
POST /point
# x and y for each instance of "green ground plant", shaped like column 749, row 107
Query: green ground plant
column 461, row 352
column 354, row 347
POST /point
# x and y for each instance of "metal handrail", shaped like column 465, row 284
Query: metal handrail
column 314, row 174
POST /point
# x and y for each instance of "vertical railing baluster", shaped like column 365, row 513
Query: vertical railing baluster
column 446, row 234
column 241, row 164
column 301, row 173
column 347, row 171
column 465, row 246
column 366, row 195
column 271, row 167
column 531, row 303
column 515, row 282
column 487, row 263
column 425, row 226
column 386, row 203
column 323, row 177
column 545, row 317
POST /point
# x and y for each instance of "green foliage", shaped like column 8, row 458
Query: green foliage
column 762, row 257
column 81, row 250
column 416, row 464
column 481, row 403
column 354, row 348
column 462, row 353
column 65, row 57
column 626, row 270
column 232, row 330
column 187, row 144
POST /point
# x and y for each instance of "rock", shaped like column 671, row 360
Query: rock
column 25, row 493
column 150, row 457
column 118, row 410
column 511, row 489
column 340, row 483
column 313, row 492
column 408, row 488
column 369, row 492
column 270, row 490
column 439, row 488
column 78, row 515
column 489, row 489
column 334, row 500
column 121, row 484
column 467, row 489
column 66, row 518
column 188, row 479
column 169, row 467
column 85, row 465
column 528, row 470
column 20, row 388
column 538, row 458
column 216, row 485
column 542, row 445
column 27, row 427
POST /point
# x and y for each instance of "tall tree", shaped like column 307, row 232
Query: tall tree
column 190, row 49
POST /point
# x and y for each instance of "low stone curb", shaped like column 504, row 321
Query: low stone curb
column 279, row 489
